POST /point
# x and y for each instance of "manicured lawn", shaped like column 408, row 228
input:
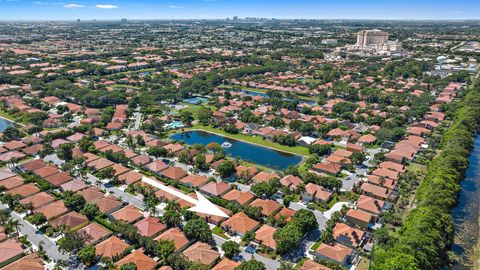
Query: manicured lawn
column 11, row 117
column 298, row 150
column 260, row 90
column 415, row 167
column 219, row 231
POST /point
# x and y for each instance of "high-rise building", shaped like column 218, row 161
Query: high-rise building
column 371, row 38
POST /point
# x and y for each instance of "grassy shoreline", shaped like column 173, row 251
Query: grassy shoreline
column 296, row 150
column 263, row 91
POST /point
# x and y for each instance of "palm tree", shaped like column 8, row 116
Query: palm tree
column 14, row 224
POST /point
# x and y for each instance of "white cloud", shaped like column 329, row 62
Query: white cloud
column 172, row 6
column 106, row 6
column 73, row 6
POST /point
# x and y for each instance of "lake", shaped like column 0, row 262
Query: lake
column 5, row 123
column 467, row 213
column 258, row 94
column 250, row 152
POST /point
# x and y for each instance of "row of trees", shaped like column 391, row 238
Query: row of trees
column 426, row 236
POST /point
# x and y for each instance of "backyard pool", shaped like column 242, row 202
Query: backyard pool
column 175, row 125
column 250, row 152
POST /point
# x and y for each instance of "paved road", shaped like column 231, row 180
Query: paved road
column 269, row 263
column 37, row 238
column 129, row 198
column 138, row 119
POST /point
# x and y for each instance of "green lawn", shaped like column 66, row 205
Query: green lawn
column 260, row 90
column 11, row 117
column 297, row 150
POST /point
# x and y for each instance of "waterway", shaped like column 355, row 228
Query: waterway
column 4, row 123
column 250, row 152
column 254, row 94
column 466, row 215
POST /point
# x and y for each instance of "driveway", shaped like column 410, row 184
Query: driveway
column 270, row 264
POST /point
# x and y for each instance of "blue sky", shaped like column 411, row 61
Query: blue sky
column 209, row 9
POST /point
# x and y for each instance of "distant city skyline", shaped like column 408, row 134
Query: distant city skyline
column 220, row 9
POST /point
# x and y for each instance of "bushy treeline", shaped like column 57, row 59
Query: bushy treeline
column 425, row 239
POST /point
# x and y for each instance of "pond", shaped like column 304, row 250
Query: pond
column 4, row 123
column 250, row 152
column 255, row 94
column 467, row 213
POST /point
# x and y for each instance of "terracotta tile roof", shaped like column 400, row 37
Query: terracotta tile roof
column 89, row 157
column 162, row 195
column 328, row 167
column 359, row 215
column 377, row 191
column 13, row 145
column 175, row 235
column 348, row 234
column 100, row 164
column 240, row 223
column 174, row 147
column 119, row 169
column 100, row 144
column 318, row 192
column 52, row 210
column 265, row 177
column 38, row 200
column 174, row 173
column 264, row 235
column 285, row 212
column 111, row 247
column 382, row 172
column 5, row 173
column 202, row 253
column 10, row 249
column 46, row 171
column 335, row 252
column 239, row 196
column 130, row 177
column 58, row 179
column 194, row 180
column 141, row 160
column 246, row 172
column 370, row 204
column 269, row 207
column 71, row 220
column 24, row 190
column 12, row 182
column 156, row 166
column 150, row 226
column 34, row 165
column 108, row 204
column 216, row 189
column 91, row 194
column 12, row 155
column 369, row 138
column 393, row 166
column 215, row 219
column 141, row 260
column 226, row 264
column 95, row 232
column 291, row 181
column 311, row 265
column 29, row 262
column 129, row 214
column 33, row 149
column 74, row 185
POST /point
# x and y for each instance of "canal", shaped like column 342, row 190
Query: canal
column 250, row 152
column 466, row 215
